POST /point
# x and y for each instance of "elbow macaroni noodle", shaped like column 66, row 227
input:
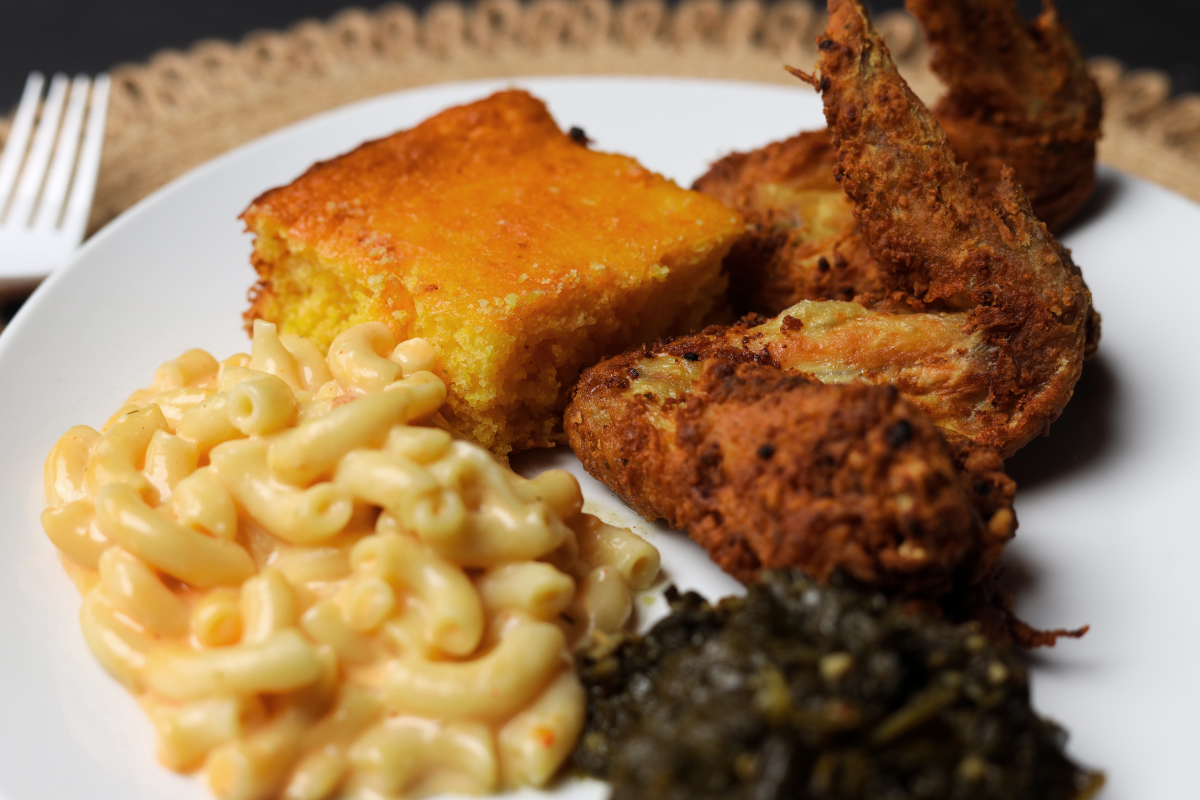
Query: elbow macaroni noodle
column 315, row 590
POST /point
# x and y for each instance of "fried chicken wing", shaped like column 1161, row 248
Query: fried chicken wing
column 948, row 247
column 840, row 437
column 999, row 314
column 770, row 469
column 767, row 468
column 802, row 241
column 1018, row 95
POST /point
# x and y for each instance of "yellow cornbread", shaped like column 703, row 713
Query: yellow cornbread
column 520, row 254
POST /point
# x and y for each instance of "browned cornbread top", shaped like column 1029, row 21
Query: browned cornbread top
column 493, row 189
column 514, row 249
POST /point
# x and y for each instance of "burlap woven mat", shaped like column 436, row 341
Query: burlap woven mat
column 182, row 108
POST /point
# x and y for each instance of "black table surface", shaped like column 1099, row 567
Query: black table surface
column 93, row 35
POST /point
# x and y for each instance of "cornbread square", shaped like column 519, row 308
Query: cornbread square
column 517, row 252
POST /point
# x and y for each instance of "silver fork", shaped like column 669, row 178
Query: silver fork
column 47, row 177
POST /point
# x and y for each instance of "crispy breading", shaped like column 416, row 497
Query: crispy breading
column 516, row 251
column 802, row 241
column 943, row 363
column 768, row 469
column 1018, row 95
column 924, row 220
column 936, row 363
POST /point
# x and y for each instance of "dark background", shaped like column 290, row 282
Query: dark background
column 93, row 35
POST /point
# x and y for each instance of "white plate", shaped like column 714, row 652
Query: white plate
column 1109, row 532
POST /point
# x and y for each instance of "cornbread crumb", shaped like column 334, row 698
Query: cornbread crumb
column 518, row 253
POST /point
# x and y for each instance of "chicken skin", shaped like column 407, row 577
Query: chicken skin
column 769, row 469
column 1018, row 94
column 802, row 240
column 950, row 249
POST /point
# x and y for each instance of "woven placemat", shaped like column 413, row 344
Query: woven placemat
column 182, row 108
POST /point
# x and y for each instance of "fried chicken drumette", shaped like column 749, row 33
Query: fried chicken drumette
column 769, row 469
column 1018, row 94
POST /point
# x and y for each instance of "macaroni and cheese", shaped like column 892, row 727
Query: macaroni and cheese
column 314, row 587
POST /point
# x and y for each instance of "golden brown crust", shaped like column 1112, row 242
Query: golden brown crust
column 923, row 218
column 768, row 469
column 802, row 241
column 517, row 252
column 981, row 470
column 1018, row 95
column 997, row 318
column 805, row 161
column 493, row 182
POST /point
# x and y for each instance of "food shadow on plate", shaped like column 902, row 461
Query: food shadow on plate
column 1103, row 196
column 538, row 459
column 10, row 304
column 1081, row 436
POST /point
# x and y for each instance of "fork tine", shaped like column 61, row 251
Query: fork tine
column 18, row 137
column 58, row 179
column 34, row 172
column 79, row 205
